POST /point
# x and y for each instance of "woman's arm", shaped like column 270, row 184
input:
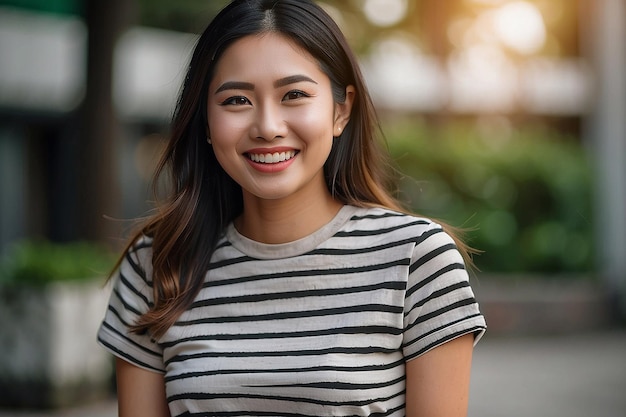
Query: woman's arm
column 140, row 393
column 437, row 383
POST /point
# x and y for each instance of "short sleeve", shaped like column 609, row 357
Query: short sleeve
column 439, row 302
column 131, row 297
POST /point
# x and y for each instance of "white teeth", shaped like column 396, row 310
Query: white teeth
column 272, row 158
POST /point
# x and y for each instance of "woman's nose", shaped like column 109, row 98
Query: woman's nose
column 270, row 123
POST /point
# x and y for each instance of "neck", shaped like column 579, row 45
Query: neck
column 285, row 220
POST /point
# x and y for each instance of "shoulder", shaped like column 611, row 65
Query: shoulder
column 426, row 237
column 138, row 259
column 386, row 221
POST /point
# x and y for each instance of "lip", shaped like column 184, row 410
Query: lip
column 270, row 150
column 273, row 167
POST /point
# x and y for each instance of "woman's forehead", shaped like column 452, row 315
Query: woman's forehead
column 270, row 54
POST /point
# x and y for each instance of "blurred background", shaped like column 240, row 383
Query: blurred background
column 505, row 117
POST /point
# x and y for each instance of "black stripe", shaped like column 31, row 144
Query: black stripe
column 130, row 341
column 309, row 272
column 376, row 232
column 142, row 243
column 137, row 268
column 286, row 353
column 196, row 396
column 368, row 249
column 223, row 244
column 127, row 306
column 274, row 414
column 386, row 330
column 125, row 281
column 230, row 261
column 462, row 303
column 380, row 308
column 431, row 255
column 384, row 215
column 390, row 285
column 244, row 414
column 320, row 368
column 425, row 281
column 126, row 356
column 118, row 315
column 323, row 251
column 444, row 340
column 438, row 293
column 333, row 385
column 438, row 329
column 427, row 234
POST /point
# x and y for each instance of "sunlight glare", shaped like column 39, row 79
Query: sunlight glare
column 488, row 2
column 385, row 12
column 520, row 26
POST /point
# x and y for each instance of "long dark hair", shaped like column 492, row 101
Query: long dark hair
column 203, row 199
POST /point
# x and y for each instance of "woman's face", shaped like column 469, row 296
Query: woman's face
column 272, row 117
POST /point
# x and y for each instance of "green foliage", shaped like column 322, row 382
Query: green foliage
column 48, row 6
column 524, row 194
column 38, row 262
column 182, row 15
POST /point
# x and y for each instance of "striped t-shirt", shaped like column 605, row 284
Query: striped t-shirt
column 321, row 326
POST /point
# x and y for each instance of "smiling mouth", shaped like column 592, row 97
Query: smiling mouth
column 271, row 158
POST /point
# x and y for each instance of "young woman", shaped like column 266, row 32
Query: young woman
column 279, row 277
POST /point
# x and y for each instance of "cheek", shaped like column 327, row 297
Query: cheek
column 225, row 128
column 317, row 121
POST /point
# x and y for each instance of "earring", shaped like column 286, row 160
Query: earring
column 208, row 139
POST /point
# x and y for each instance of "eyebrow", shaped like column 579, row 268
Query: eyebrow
column 242, row 85
column 235, row 85
column 292, row 79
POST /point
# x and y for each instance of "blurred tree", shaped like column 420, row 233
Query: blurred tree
column 48, row 6
column 182, row 15
column 98, row 141
column 426, row 21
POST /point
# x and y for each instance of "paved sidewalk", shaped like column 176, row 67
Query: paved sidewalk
column 104, row 409
column 559, row 376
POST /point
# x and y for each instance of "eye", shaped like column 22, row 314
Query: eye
column 294, row 95
column 236, row 101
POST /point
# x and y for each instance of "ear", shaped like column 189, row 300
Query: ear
column 343, row 110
